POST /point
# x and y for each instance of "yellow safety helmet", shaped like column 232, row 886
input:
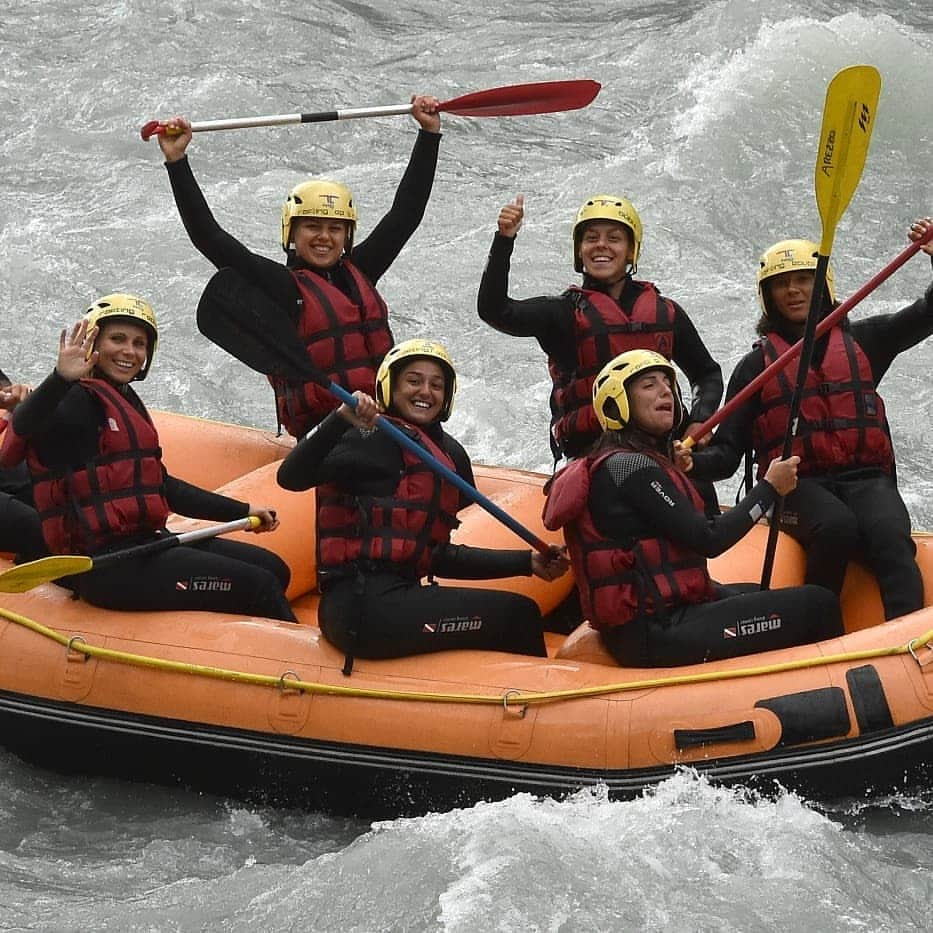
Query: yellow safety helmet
column 607, row 207
column 120, row 306
column 610, row 385
column 787, row 256
column 409, row 350
column 321, row 198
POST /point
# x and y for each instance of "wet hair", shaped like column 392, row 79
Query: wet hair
column 632, row 438
column 772, row 321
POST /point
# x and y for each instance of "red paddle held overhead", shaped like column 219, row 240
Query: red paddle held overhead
column 511, row 101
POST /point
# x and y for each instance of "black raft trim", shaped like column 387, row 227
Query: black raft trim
column 809, row 715
column 871, row 705
column 696, row 738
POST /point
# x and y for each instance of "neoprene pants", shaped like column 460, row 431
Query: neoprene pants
column 212, row 575
column 743, row 620
column 382, row 615
column 836, row 520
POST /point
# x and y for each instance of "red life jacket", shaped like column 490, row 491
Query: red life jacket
column 620, row 580
column 602, row 330
column 117, row 494
column 842, row 421
column 345, row 339
column 403, row 528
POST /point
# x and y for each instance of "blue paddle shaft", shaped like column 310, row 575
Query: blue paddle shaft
column 470, row 491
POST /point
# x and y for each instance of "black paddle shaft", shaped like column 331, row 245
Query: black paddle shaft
column 238, row 317
column 803, row 367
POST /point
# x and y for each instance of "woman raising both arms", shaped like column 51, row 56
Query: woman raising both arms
column 327, row 285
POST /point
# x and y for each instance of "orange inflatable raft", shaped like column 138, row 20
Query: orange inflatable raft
column 260, row 709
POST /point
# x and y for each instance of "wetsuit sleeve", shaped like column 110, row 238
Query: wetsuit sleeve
column 59, row 419
column 734, row 436
column 633, row 483
column 704, row 373
column 884, row 336
column 461, row 562
column 379, row 250
column 221, row 248
column 548, row 319
column 193, row 501
column 32, row 415
column 359, row 463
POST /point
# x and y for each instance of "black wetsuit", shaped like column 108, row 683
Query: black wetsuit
column 371, row 256
column 62, row 421
column 855, row 510
column 549, row 319
column 631, row 497
column 374, row 611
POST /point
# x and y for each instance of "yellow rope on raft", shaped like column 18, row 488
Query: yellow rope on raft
column 511, row 697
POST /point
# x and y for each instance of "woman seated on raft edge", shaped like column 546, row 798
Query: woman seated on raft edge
column 639, row 540
column 99, row 483
column 847, row 504
column 384, row 521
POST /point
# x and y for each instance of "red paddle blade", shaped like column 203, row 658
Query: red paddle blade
column 519, row 99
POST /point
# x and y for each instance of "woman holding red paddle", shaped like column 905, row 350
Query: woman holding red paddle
column 847, row 502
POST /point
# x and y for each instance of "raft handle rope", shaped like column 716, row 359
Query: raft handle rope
column 78, row 643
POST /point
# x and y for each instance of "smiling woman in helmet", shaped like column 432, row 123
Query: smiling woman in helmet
column 585, row 326
column 639, row 540
column 384, row 521
column 100, row 485
column 847, row 503
column 327, row 286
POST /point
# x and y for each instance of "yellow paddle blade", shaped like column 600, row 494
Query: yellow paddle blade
column 848, row 120
column 26, row 576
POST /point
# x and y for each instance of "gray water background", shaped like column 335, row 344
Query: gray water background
column 708, row 119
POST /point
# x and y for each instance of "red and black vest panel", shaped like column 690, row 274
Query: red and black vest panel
column 620, row 580
column 842, row 421
column 402, row 529
column 116, row 495
column 603, row 329
column 345, row 339
column 13, row 447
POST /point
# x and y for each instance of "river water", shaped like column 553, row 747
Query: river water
column 708, row 120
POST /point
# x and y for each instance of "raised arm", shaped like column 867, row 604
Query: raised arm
column 380, row 249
